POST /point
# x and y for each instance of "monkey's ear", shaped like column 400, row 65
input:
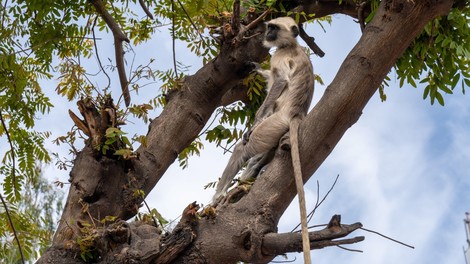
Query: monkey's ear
column 295, row 31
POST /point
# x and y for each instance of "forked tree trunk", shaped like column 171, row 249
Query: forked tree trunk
column 245, row 230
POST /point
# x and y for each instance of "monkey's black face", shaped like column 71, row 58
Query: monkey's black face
column 271, row 32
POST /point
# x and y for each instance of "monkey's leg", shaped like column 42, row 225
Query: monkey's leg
column 236, row 161
column 254, row 166
column 299, row 183
column 264, row 137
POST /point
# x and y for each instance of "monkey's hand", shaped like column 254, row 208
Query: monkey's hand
column 254, row 66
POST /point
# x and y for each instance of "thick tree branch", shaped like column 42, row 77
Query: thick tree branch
column 236, row 93
column 119, row 37
column 276, row 244
column 323, row 8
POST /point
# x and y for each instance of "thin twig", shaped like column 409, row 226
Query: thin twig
column 4, row 12
column 360, row 15
column 210, row 124
column 97, row 54
column 173, row 37
column 318, row 197
column 349, row 249
column 253, row 24
column 226, row 149
column 190, row 20
column 145, row 8
column 11, row 149
column 153, row 217
column 324, row 197
column 310, row 215
column 315, row 226
column 12, row 227
column 119, row 37
column 389, row 238
column 257, row 20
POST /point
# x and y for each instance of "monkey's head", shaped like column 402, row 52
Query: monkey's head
column 281, row 32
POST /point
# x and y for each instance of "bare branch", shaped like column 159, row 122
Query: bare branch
column 276, row 244
column 310, row 215
column 253, row 24
column 360, row 15
column 145, row 8
column 323, row 8
column 348, row 249
column 389, row 238
column 236, row 17
column 173, row 38
column 119, row 37
column 310, row 41
column 98, row 55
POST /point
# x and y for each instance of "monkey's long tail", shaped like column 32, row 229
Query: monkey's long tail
column 299, row 183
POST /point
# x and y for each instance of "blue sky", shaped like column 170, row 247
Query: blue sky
column 404, row 166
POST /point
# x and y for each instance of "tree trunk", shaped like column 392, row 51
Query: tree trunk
column 243, row 230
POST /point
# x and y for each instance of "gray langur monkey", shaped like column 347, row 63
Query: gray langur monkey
column 290, row 84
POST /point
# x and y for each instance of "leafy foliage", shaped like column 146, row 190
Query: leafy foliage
column 440, row 57
column 35, row 218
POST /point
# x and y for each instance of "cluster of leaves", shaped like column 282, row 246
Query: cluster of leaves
column 32, row 33
column 193, row 149
column 439, row 58
column 190, row 20
column 117, row 144
column 232, row 115
column 239, row 113
column 73, row 82
column 34, row 218
column 153, row 217
column 21, row 100
column 90, row 232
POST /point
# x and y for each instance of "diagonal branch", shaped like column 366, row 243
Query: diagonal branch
column 119, row 37
column 145, row 8
column 12, row 228
column 277, row 244
column 310, row 41
column 12, row 149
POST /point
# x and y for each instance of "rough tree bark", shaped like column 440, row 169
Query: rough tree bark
column 244, row 230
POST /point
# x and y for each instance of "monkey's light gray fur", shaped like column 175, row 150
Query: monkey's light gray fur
column 290, row 90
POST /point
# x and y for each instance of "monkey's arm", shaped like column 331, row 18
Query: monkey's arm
column 269, row 105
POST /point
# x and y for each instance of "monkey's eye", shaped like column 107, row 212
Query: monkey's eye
column 273, row 27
